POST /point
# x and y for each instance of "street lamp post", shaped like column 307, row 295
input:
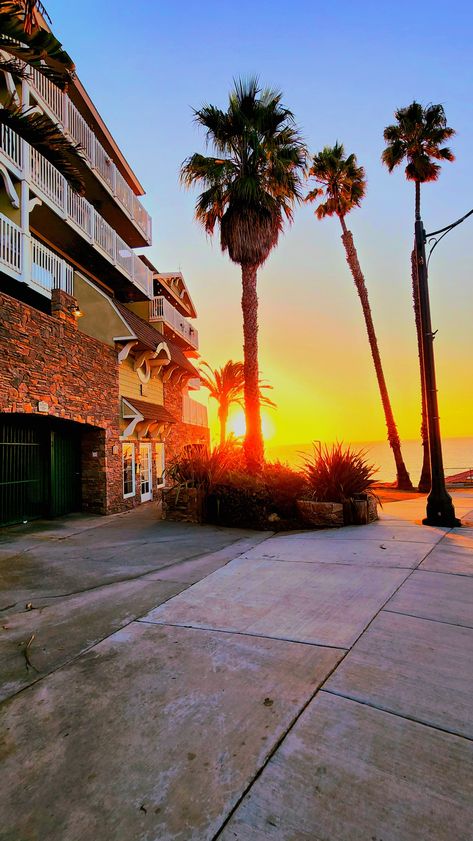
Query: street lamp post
column 440, row 509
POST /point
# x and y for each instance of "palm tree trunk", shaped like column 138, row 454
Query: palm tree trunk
column 223, row 417
column 253, row 443
column 425, row 476
column 403, row 480
column 417, row 199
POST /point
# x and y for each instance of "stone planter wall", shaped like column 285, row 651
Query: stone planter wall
column 325, row 514
column 185, row 505
column 359, row 511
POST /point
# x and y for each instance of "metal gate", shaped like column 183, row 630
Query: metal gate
column 39, row 468
column 23, row 487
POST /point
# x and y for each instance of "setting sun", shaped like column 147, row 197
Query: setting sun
column 237, row 426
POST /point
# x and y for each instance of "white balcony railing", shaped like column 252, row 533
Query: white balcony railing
column 11, row 241
column 76, row 209
column 193, row 412
column 10, row 144
column 162, row 310
column 50, row 271
column 73, row 124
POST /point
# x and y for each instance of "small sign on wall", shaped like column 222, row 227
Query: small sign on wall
column 42, row 406
column 95, row 454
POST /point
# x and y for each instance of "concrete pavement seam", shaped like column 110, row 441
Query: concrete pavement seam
column 240, row 633
column 427, row 618
column 404, row 716
column 97, row 642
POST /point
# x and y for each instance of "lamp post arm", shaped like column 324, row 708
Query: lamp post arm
column 435, row 239
column 449, row 227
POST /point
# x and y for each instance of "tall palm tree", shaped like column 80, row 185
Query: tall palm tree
column 343, row 185
column 250, row 186
column 27, row 45
column 417, row 137
column 226, row 386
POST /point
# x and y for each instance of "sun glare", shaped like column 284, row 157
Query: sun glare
column 237, row 425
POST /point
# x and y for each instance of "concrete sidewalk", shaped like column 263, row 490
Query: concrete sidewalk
column 317, row 688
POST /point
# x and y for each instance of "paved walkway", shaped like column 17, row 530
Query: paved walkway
column 316, row 688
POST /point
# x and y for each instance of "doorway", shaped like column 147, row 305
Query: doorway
column 146, row 472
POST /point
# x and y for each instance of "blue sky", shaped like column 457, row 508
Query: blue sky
column 343, row 69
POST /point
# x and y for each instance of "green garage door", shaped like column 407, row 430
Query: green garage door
column 39, row 468
column 65, row 471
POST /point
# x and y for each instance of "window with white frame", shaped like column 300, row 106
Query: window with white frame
column 128, row 470
column 159, row 460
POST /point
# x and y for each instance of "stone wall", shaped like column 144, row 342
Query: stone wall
column 45, row 359
column 180, row 433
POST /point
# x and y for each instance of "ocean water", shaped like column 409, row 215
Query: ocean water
column 457, row 456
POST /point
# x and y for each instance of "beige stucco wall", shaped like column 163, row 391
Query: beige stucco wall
column 141, row 308
column 5, row 205
column 100, row 319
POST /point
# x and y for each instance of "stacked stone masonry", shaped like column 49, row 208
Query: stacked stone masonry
column 47, row 362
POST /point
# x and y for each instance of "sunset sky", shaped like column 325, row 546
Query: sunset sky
column 343, row 69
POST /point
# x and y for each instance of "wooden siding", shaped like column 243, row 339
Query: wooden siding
column 131, row 385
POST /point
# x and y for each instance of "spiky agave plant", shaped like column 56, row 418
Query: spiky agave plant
column 250, row 186
column 338, row 473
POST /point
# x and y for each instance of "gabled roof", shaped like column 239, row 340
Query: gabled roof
column 175, row 285
column 150, row 411
column 151, row 338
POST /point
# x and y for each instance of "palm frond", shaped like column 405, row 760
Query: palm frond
column 253, row 180
column 416, row 138
column 342, row 182
column 48, row 139
column 36, row 46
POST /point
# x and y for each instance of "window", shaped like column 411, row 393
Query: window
column 191, row 450
column 128, row 470
column 159, row 456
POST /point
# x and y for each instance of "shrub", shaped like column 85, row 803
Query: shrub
column 338, row 473
column 266, row 500
column 203, row 469
column 284, row 486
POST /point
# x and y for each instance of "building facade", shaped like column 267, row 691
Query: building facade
column 96, row 346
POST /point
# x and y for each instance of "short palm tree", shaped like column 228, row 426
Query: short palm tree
column 29, row 45
column 250, row 185
column 343, row 185
column 417, row 138
column 226, row 386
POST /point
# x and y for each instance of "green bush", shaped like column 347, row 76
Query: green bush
column 264, row 501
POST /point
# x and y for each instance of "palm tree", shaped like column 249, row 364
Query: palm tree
column 250, row 187
column 417, row 137
column 30, row 45
column 343, row 184
column 226, row 386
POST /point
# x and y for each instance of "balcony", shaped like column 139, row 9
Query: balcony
column 60, row 108
column 193, row 412
column 162, row 310
column 12, row 147
column 48, row 270
column 52, row 187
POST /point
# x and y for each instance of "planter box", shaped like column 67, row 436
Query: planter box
column 325, row 514
column 358, row 511
column 185, row 505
